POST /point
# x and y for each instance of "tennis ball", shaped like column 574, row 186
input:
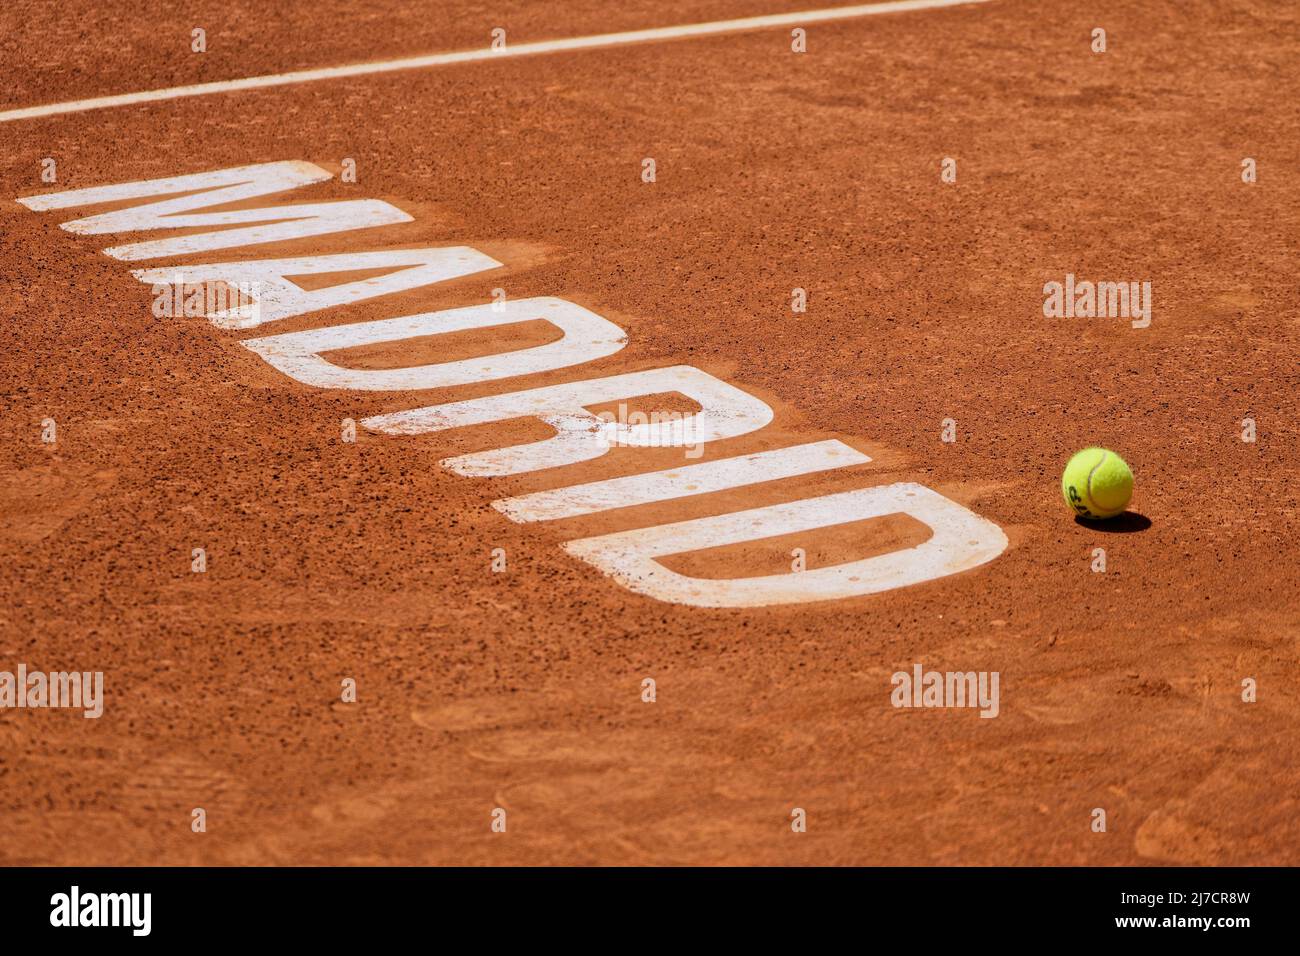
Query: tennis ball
column 1097, row 483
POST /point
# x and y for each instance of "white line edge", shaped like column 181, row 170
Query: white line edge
column 469, row 56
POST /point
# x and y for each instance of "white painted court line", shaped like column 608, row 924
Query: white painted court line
column 469, row 56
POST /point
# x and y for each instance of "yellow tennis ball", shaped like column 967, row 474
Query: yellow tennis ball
column 1097, row 483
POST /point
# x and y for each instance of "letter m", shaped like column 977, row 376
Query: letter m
column 117, row 908
column 65, row 689
column 962, row 688
column 1112, row 299
column 221, row 187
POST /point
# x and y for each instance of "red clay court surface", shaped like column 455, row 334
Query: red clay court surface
column 522, row 690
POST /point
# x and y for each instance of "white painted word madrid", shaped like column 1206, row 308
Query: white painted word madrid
column 959, row 540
